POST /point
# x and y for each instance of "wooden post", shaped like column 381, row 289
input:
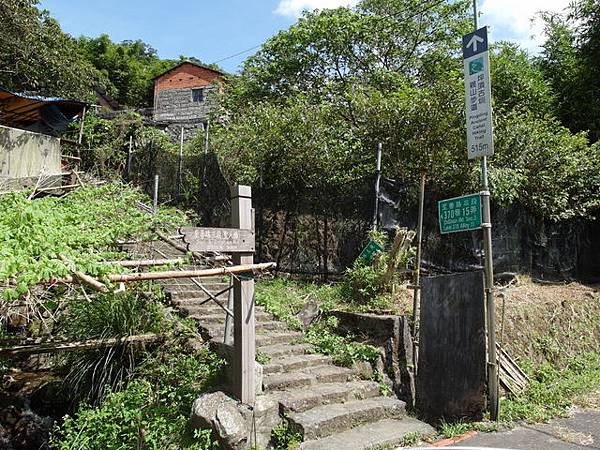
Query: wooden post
column 244, row 352
column 80, row 137
column 417, row 283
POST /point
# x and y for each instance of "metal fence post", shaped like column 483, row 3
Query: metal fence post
column 155, row 197
column 244, row 352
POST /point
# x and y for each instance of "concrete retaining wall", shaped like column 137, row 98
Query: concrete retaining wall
column 24, row 155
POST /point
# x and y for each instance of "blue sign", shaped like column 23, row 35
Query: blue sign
column 475, row 43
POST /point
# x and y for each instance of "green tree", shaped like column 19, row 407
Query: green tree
column 571, row 62
column 310, row 107
column 36, row 55
column 129, row 66
column 330, row 52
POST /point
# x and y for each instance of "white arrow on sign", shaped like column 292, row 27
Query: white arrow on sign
column 473, row 42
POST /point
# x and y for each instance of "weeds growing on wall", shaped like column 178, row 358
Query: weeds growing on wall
column 285, row 438
column 344, row 351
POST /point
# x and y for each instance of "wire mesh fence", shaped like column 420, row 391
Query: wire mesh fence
column 321, row 231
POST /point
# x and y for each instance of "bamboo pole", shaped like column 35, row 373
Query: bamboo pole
column 88, row 344
column 146, row 276
column 145, row 262
column 83, row 278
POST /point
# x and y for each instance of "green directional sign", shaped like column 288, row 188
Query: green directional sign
column 370, row 250
column 460, row 214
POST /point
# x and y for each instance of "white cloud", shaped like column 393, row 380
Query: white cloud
column 294, row 8
column 511, row 19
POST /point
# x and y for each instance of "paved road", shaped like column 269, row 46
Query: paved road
column 580, row 431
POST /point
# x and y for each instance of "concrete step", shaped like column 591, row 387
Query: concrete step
column 271, row 338
column 387, row 433
column 278, row 350
column 295, row 362
column 189, row 293
column 308, row 377
column 334, row 418
column 286, row 381
column 217, row 315
column 212, row 287
column 322, row 394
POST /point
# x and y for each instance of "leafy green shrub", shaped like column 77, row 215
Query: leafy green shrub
column 151, row 412
column 284, row 437
column 363, row 283
column 343, row 351
column 82, row 227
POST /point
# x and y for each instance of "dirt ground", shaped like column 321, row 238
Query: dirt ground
column 539, row 322
column 542, row 322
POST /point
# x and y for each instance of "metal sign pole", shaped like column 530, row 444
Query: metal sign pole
column 377, row 187
column 489, row 278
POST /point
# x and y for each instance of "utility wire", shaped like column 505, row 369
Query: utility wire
column 237, row 54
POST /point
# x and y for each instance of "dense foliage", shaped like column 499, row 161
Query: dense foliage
column 83, row 227
column 151, row 412
column 36, row 55
column 571, row 62
column 310, row 107
column 129, row 67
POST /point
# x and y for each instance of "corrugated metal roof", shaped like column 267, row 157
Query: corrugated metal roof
column 24, row 110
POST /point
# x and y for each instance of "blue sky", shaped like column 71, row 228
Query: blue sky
column 215, row 30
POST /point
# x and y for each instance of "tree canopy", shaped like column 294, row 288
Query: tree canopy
column 314, row 102
column 35, row 55
column 571, row 63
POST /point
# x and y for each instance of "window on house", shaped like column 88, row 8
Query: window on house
column 197, row 95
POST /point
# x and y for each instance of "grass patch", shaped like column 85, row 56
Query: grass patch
column 453, row 429
column 285, row 298
column 551, row 393
column 93, row 373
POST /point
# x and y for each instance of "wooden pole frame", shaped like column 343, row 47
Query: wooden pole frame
column 244, row 345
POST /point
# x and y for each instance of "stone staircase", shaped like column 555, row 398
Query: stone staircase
column 331, row 407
